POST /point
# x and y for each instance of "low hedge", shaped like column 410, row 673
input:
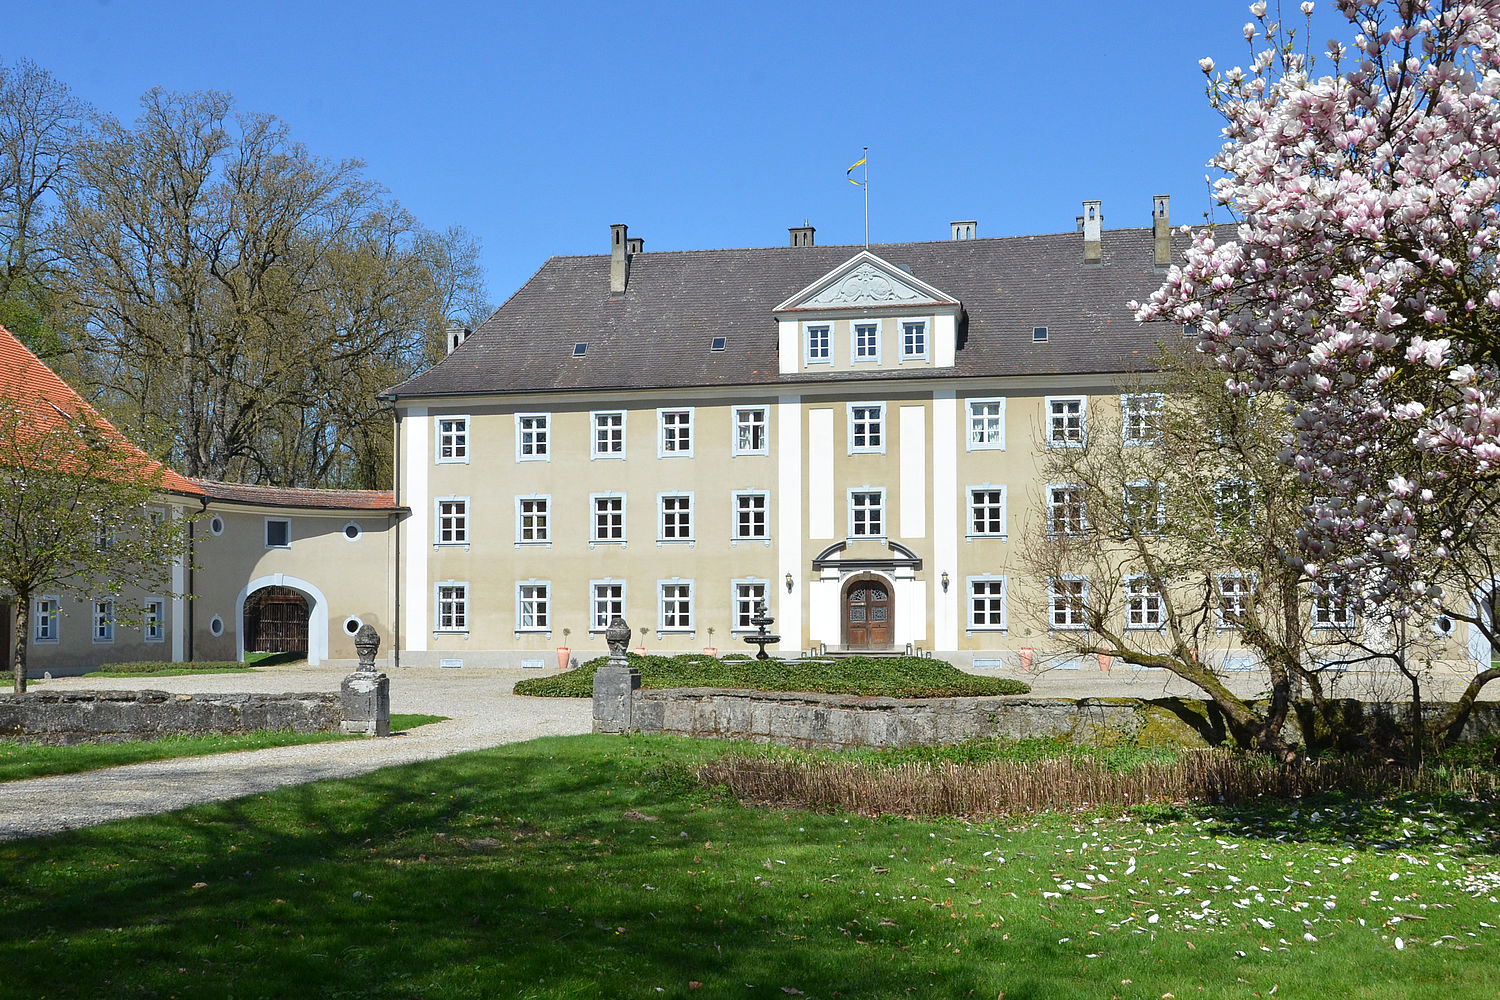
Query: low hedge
column 888, row 676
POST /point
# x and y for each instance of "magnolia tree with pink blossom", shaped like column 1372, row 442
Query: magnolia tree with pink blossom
column 1360, row 281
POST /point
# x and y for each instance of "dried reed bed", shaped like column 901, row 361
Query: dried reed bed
column 1004, row 788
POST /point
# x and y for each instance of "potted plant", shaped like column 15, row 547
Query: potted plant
column 641, row 650
column 563, row 652
column 711, row 649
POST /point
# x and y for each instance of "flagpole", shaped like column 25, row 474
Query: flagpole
column 867, row 197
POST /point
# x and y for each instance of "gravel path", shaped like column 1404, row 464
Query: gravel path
column 481, row 712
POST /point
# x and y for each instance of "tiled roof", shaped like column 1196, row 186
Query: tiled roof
column 279, row 496
column 657, row 333
column 49, row 401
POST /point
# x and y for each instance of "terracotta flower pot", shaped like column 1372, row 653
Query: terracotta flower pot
column 1104, row 661
column 710, row 650
column 1027, row 655
column 563, row 652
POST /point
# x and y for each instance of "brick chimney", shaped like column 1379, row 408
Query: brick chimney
column 802, row 236
column 1093, row 230
column 619, row 258
column 634, row 245
column 964, row 229
column 1162, row 230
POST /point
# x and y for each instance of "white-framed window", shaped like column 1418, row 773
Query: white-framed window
column 1065, row 421
column 1234, row 506
column 1143, row 604
column 1234, row 598
column 866, row 513
column 606, row 600
column 986, row 425
column 154, row 620
column 452, row 439
column 751, row 431
column 353, row 624
column 278, row 533
column 1068, row 598
column 1140, row 417
column 104, row 621
column 674, row 606
column 352, row 531
column 864, row 341
column 986, row 602
column 216, row 525
column 534, row 606
column 533, row 520
column 1145, row 506
column 750, row 515
column 747, row 596
column 866, row 428
column 675, row 437
column 608, row 524
column 452, row 606
column 452, row 521
column 46, row 619
column 987, row 512
column 1332, row 606
column 675, row 523
column 818, row 341
column 104, row 535
column 533, row 437
column 913, row 340
column 1066, row 513
column 608, row 439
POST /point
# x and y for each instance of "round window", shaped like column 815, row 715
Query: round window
column 216, row 525
column 352, row 625
column 352, row 531
column 216, row 625
column 1443, row 625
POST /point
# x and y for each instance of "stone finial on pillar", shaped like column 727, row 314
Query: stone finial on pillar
column 365, row 695
column 366, row 644
column 615, row 683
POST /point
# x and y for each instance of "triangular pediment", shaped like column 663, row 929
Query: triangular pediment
column 866, row 281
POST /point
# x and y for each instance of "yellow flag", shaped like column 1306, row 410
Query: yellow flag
column 856, row 163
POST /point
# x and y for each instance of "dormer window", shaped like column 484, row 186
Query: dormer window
column 819, row 340
column 864, row 341
column 913, row 340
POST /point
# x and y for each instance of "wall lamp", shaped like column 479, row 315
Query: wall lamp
column 789, row 583
column 945, row 581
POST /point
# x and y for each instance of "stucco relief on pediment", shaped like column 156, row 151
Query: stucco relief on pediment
column 866, row 285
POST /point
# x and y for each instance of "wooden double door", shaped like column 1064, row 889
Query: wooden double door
column 867, row 614
column 276, row 621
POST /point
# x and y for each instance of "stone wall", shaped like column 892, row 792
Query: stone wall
column 834, row 721
column 65, row 717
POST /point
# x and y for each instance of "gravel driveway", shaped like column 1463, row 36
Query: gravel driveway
column 481, row 712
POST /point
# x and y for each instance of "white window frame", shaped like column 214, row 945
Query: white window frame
column 866, row 448
column 102, row 621
column 1053, row 505
column 594, row 602
column 661, row 605
column 1142, row 603
column 734, row 516
column 662, row 412
column 735, row 447
column 1245, row 580
column 973, row 532
column 266, row 532
column 154, row 619
column 1220, row 493
column 47, row 611
column 104, row 535
column 1158, row 522
column 1141, row 404
column 541, row 437
column 970, row 444
column 855, row 358
column 594, row 499
column 462, row 521
column 735, row 611
column 807, row 346
column 661, row 517
column 460, row 602
column 880, row 509
column 926, row 352
column 1053, row 425
column 987, row 579
column 1341, row 613
column 459, row 436
column 594, row 418
column 540, row 600
column 1053, row 606
column 545, row 518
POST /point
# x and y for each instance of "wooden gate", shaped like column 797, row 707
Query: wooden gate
column 867, row 615
column 276, row 621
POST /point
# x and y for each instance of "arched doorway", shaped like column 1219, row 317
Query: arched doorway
column 276, row 621
column 867, row 614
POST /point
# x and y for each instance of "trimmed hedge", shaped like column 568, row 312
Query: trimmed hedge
column 886, row 676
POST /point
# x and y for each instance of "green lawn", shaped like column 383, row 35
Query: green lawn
column 31, row 760
column 597, row 867
column 893, row 677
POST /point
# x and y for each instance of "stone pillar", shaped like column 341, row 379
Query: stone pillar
column 366, row 695
column 615, row 683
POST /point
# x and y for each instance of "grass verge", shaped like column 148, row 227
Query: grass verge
column 893, row 677
column 164, row 668
column 597, row 866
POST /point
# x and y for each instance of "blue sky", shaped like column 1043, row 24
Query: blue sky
column 699, row 125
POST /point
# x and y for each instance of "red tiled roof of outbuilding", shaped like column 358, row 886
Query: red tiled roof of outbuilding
column 281, row 496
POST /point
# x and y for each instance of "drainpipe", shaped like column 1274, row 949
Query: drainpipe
column 192, row 563
column 396, row 531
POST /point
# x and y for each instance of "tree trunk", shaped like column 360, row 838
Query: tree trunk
column 1453, row 724
column 1418, row 734
column 23, row 625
